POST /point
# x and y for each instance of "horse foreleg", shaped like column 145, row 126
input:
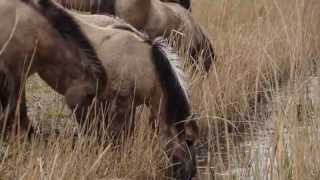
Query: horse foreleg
column 4, row 98
column 14, row 115
column 122, row 119
column 24, row 122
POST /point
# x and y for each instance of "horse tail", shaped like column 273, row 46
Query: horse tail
column 172, row 81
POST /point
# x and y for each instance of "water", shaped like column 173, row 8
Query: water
column 254, row 155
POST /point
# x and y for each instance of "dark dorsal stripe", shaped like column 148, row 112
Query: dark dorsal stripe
column 71, row 32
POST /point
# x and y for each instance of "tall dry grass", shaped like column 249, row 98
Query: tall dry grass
column 267, row 64
column 259, row 107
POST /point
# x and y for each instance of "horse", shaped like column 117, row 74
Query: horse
column 32, row 43
column 169, row 19
column 139, row 71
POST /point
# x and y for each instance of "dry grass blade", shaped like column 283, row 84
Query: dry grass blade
column 258, row 108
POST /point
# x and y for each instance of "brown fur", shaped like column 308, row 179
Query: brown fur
column 122, row 52
column 110, row 22
column 31, row 44
column 170, row 19
column 133, row 80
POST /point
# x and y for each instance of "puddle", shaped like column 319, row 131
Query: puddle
column 253, row 157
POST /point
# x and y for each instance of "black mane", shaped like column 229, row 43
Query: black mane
column 186, row 4
column 71, row 32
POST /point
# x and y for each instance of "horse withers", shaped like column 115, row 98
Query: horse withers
column 31, row 42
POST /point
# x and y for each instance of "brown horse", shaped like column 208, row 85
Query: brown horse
column 158, row 18
column 114, row 22
column 31, row 42
column 140, row 71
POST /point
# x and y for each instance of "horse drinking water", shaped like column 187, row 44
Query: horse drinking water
column 139, row 71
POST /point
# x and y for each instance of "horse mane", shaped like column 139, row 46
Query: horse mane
column 186, row 4
column 175, row 63
column 173, row 83
column 70, row 31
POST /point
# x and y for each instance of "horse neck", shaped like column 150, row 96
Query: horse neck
column 58, row 62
